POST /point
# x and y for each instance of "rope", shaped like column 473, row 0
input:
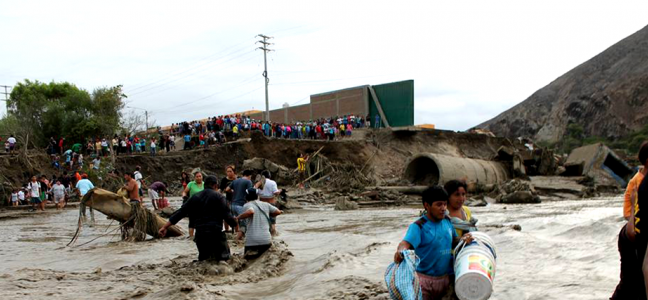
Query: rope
column 102, row 235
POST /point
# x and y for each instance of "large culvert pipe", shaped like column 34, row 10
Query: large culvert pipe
column 433, row 169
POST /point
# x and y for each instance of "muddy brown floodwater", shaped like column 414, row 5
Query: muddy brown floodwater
column 566, row 250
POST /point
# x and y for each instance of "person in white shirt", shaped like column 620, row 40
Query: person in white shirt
column 12, row 143
column 139, row 178
column 58, row 190
column 13, row 199
column 21, row 197
column 96, row 163
column 153, row 147
column 34, row 189
column 268, row 192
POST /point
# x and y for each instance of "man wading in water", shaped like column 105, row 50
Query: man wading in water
column 432, row 237
column 207, row 210
column 132, row 189
column 257, row 238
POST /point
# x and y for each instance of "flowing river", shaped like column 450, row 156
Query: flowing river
column 565, row 250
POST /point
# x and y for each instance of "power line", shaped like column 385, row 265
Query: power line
column 197, row 64
column 332, row 80
column 186, row 77
column 221, row 101
column 328, row 67
column 168, row 80
column 298, row 101
column 265, row 70
column 239, row 84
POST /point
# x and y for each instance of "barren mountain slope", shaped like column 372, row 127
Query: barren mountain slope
column 607, row 96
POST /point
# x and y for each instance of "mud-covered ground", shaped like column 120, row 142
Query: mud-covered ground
column 565, row 250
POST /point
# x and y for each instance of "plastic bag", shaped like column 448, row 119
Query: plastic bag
column 401, row 279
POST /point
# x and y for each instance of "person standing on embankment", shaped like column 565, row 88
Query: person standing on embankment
column 301, row 167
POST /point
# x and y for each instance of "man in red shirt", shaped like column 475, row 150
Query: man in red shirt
column 60, row 144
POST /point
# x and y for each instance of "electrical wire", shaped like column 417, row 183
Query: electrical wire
column 221, row 101
column 185, row 69
column 239, row 84
column 190, row 74
column 174, row 86
column 331, row 80
column 301, row 100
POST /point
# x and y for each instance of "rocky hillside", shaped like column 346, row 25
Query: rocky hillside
column 607, row 96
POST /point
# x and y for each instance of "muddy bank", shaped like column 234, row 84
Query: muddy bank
column 382, row 153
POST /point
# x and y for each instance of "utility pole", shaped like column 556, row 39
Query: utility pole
column 265, row 70
column 6, row 96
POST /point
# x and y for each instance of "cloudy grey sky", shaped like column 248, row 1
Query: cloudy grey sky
column 470, row 60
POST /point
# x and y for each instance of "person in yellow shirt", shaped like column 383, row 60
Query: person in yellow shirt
column 631, row 192
column 459, row 214
column 301, row 167
column 235, row 131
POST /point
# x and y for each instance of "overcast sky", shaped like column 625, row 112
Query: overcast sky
column 470, row 60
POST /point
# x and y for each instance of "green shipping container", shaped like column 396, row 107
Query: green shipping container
column 397, row 101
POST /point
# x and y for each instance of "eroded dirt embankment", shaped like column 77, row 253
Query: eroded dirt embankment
column 385, row 153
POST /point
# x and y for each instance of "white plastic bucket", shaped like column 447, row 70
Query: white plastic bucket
column 475, row 271
column 485, row 239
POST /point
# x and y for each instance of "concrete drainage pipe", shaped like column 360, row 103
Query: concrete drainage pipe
column 433, row 169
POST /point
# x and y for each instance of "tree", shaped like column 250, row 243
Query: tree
column 64, row 110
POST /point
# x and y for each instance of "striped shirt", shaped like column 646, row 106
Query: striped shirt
column 258, row 228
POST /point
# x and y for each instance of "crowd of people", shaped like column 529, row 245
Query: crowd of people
column 103, row 147
column 212, row 131
column 234, row 203
column 219, row 129
column 41, row 190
